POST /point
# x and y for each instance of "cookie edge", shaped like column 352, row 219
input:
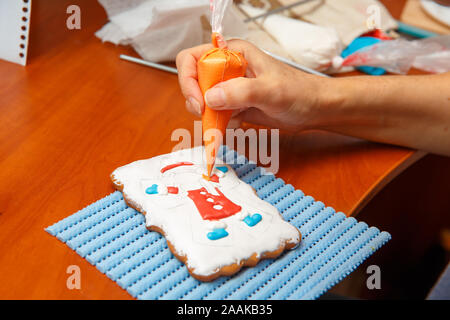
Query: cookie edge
column 227, row 270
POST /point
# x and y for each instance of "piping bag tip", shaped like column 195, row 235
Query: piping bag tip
column 209, row 168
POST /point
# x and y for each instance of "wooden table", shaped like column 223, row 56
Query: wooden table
column 77, row 112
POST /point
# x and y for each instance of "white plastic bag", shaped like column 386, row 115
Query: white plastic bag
column 398, row 56
column 159, row 29
column 436, row 62
column 307, row 44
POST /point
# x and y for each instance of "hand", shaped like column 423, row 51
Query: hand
column 271, row 94
column 402, row 110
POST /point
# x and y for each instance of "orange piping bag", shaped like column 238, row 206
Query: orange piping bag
column 217, row 65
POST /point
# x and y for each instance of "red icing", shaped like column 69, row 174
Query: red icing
column 213, row 178
column 206, row 208
column 178, row 164
column 359, row 57
column 173, row 190
column 377, row 33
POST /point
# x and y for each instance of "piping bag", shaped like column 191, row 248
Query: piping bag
column 217, row 65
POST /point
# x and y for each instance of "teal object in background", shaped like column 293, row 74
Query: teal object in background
column 223, row 169
column 414, row 31
column 359, row 43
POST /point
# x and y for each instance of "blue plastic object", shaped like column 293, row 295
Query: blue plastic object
column 359, row 43
column 223, row 169
column 113, row 237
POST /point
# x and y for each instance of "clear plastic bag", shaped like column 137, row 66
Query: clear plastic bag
column 218, row 9
column 398, row 56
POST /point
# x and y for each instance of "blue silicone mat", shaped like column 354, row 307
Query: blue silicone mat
column 113, row 237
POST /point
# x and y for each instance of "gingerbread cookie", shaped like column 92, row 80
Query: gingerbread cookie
column 215, row 227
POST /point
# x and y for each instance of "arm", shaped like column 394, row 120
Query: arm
column 412, row 111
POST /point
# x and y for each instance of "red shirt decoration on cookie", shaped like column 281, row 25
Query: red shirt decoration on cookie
column 212, row 207
column 178, row 164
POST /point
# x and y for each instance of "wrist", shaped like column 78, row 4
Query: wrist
column 319, row 101
column 334, row 104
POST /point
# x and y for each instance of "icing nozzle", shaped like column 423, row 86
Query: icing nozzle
column 209, row 168
column 213, row 178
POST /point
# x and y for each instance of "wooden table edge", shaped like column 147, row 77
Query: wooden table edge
column 401, row 165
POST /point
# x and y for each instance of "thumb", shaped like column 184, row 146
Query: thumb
column 234, row 94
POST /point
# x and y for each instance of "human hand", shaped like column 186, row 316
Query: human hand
column 271, row 94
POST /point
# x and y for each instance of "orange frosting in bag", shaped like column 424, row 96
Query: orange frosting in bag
column 217, row 65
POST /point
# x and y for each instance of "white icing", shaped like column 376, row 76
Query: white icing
column 178, row 217
column 162, row 189
column 216, row 224
column 219, row 173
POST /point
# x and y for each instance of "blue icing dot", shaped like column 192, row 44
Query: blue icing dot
column 217, row 234
column 253, row 220
column 223, row 169
column 152, row 190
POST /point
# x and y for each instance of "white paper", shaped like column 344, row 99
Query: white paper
column 14, row 40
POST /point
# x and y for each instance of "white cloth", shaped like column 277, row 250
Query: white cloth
column 309, row 45
column 350, row 18
column 159, row 29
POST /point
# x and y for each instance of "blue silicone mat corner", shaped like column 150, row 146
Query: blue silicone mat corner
column 113, row 237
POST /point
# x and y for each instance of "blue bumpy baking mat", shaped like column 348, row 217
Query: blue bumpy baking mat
column 113, row 237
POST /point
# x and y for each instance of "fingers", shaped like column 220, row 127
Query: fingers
column 256, row 59
column 259, row 117
column 242, row 92
column 194, row 107
column 186, row 62
column 232, row 94
column 235, row 94
column 235, row 122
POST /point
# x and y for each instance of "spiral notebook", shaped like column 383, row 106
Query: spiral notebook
column 14, row 30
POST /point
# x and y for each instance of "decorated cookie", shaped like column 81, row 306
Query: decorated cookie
column 215, row 226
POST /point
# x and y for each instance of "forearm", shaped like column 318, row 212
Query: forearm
column 412, row 111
